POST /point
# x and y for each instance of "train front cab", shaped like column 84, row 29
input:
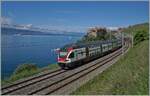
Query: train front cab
column 65, row 59
column 62, row 58
column 76, row 57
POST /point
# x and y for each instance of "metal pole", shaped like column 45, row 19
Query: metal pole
column 122, row 44
column 132, row 39
column 110, row 34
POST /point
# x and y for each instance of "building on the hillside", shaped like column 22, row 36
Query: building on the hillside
column 121, row 29
column 96, row 31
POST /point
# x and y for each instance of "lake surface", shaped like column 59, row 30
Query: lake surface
column 35, row 49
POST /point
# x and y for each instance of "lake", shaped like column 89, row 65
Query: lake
column 37, row 49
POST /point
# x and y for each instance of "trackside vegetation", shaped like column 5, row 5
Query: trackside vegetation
column 26, row 70
column 140, row 36
column 140, row 32
column 136, row 28
column 129, row 76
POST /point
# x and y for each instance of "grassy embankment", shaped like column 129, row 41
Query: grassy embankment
column 136, row 28
column 130, row 75
column 26, row 70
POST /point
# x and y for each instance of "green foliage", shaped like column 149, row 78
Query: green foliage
column 140, row 36
column 129, row 76
column 140, row 32
column 136, row 28
column 91, row 38
column 50, row 67
column 26, row 70
column 23, row 74
column 25, row 67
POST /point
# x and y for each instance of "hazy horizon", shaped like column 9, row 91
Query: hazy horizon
column 75, row 16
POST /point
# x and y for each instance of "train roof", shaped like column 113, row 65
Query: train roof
column 86, row 44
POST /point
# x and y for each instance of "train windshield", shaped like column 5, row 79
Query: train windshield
column 71, row 55
column 62, row 54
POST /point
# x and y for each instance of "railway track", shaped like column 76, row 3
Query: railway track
column 30, row 81
column 52, row 88
column 52, row 81
column 49, row 89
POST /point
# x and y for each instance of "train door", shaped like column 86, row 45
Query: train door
column 72, row 56
column 81, row 53
column 87, row 51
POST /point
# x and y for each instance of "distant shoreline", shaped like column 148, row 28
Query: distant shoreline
column 40, row 35
column 12, row 31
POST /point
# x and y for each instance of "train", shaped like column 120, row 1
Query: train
column 76, row 54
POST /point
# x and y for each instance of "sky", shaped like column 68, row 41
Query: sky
column 75, row 16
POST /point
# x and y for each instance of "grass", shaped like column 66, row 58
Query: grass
column 136, row 28
column 26, row 70
column 129, row 76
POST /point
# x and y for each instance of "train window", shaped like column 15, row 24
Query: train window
column 62, row 54
column 71, row 55
column 82, row 53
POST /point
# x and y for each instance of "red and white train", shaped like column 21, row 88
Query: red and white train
column 76, row 54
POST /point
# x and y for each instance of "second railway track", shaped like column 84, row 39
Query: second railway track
column 29, row 81
column 51, row 82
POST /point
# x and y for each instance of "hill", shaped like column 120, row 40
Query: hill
column 129, row 76
column 136, row 28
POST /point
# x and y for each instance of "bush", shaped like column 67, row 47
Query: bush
column 26, row 70
column 91, row 38
column 23, row 71
column 140, row 36
column 25, row 67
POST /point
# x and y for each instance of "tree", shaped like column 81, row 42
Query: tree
column 140, row 36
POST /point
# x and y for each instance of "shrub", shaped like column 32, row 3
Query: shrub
column 26, row 70
column 23, row 71
column 25, row 67
column 140, row 36
column 87, row 38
